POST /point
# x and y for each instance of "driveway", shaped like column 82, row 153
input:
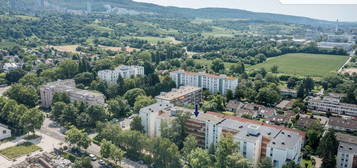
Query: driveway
column 49, row 128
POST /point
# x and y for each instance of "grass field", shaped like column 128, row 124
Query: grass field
column 19, row 150
column 300, row 64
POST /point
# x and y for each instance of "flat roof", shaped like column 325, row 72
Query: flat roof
column 177, row 93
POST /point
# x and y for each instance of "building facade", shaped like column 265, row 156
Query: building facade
column 5, row 132
column 69, row 87
column 182, row 95
column 153, row 116
column 331, row 104
column 347, row 151
column 214, row 83
column 256, row 140
column 111, row 76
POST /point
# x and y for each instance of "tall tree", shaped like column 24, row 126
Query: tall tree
column 199, row 158
column 327, row 149
column 225, row 147
column 217, row 65
column 165, row 153
column 136, row 124
column 77, row 137
column 32, row 119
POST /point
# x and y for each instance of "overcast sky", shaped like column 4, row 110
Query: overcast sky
column 326, row 12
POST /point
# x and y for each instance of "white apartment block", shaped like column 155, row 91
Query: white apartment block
column 182, row 95
column 154, row 115
column 111, row 76
column 347, row 151
column 256, row 140
column 69, row 87
column 331, row 104
column 214, row 83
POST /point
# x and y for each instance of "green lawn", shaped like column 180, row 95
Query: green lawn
column 19, row 150
column 152, row 39
column 300, row 64
column 304, row 162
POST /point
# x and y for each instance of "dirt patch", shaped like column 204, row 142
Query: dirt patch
column 129, row 49
column 65, row 48
column 349, row 71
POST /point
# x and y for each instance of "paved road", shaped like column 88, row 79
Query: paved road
column 49, row 128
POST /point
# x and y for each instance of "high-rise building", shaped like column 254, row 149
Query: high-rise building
column 214, row 83
column 111, row 76
column 347, row 151
column 69, row 87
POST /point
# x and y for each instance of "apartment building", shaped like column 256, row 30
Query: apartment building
column 69, row 87
column 111, row 76
column 289, row 93
column 331, row 104
column 256, row 139
column 182, row 95
column 347, row 151
column 342, row 124
column 214, row 83
column 154, row 115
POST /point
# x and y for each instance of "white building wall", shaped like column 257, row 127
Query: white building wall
column 4, row 133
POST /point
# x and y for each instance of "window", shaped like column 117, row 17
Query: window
column 4, row 131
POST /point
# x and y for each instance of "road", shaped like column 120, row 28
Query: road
column 352, row 53
column 51, row 129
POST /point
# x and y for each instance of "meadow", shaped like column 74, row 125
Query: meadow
column 301, row 64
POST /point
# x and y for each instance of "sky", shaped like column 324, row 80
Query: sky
column 319, row 9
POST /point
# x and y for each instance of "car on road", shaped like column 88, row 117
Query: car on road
column 101, row 162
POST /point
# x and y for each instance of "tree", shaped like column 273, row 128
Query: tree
column 142, row 101
column 309, row 84
column 229, row 95
column 291, row 83
column 313, row 135
column 327, row 149
column 265, row 163
column 68, row 69
column 199, row 158
column 61, row 97
column 214, row 103
column 136, row 124
column 132, row 94
column 217, row 65
column 31, row 79
column 84, row 78
column 165, row 153
column 32, row 119
column 97, row 113
column 225, row 147
column 105, row 148
column 119, row 107
column 274, row 69
column 82, row 162
column 26, row 95
column 189, row 145
column 292, row 164
column 84, row 65
column 175, row 130
column 236, row 160
column 15, row 75
column 268, row 96
column 77, row 137
column 117, row 154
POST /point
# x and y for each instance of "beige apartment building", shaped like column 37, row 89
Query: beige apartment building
column 68, row 86
column 182, row 95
